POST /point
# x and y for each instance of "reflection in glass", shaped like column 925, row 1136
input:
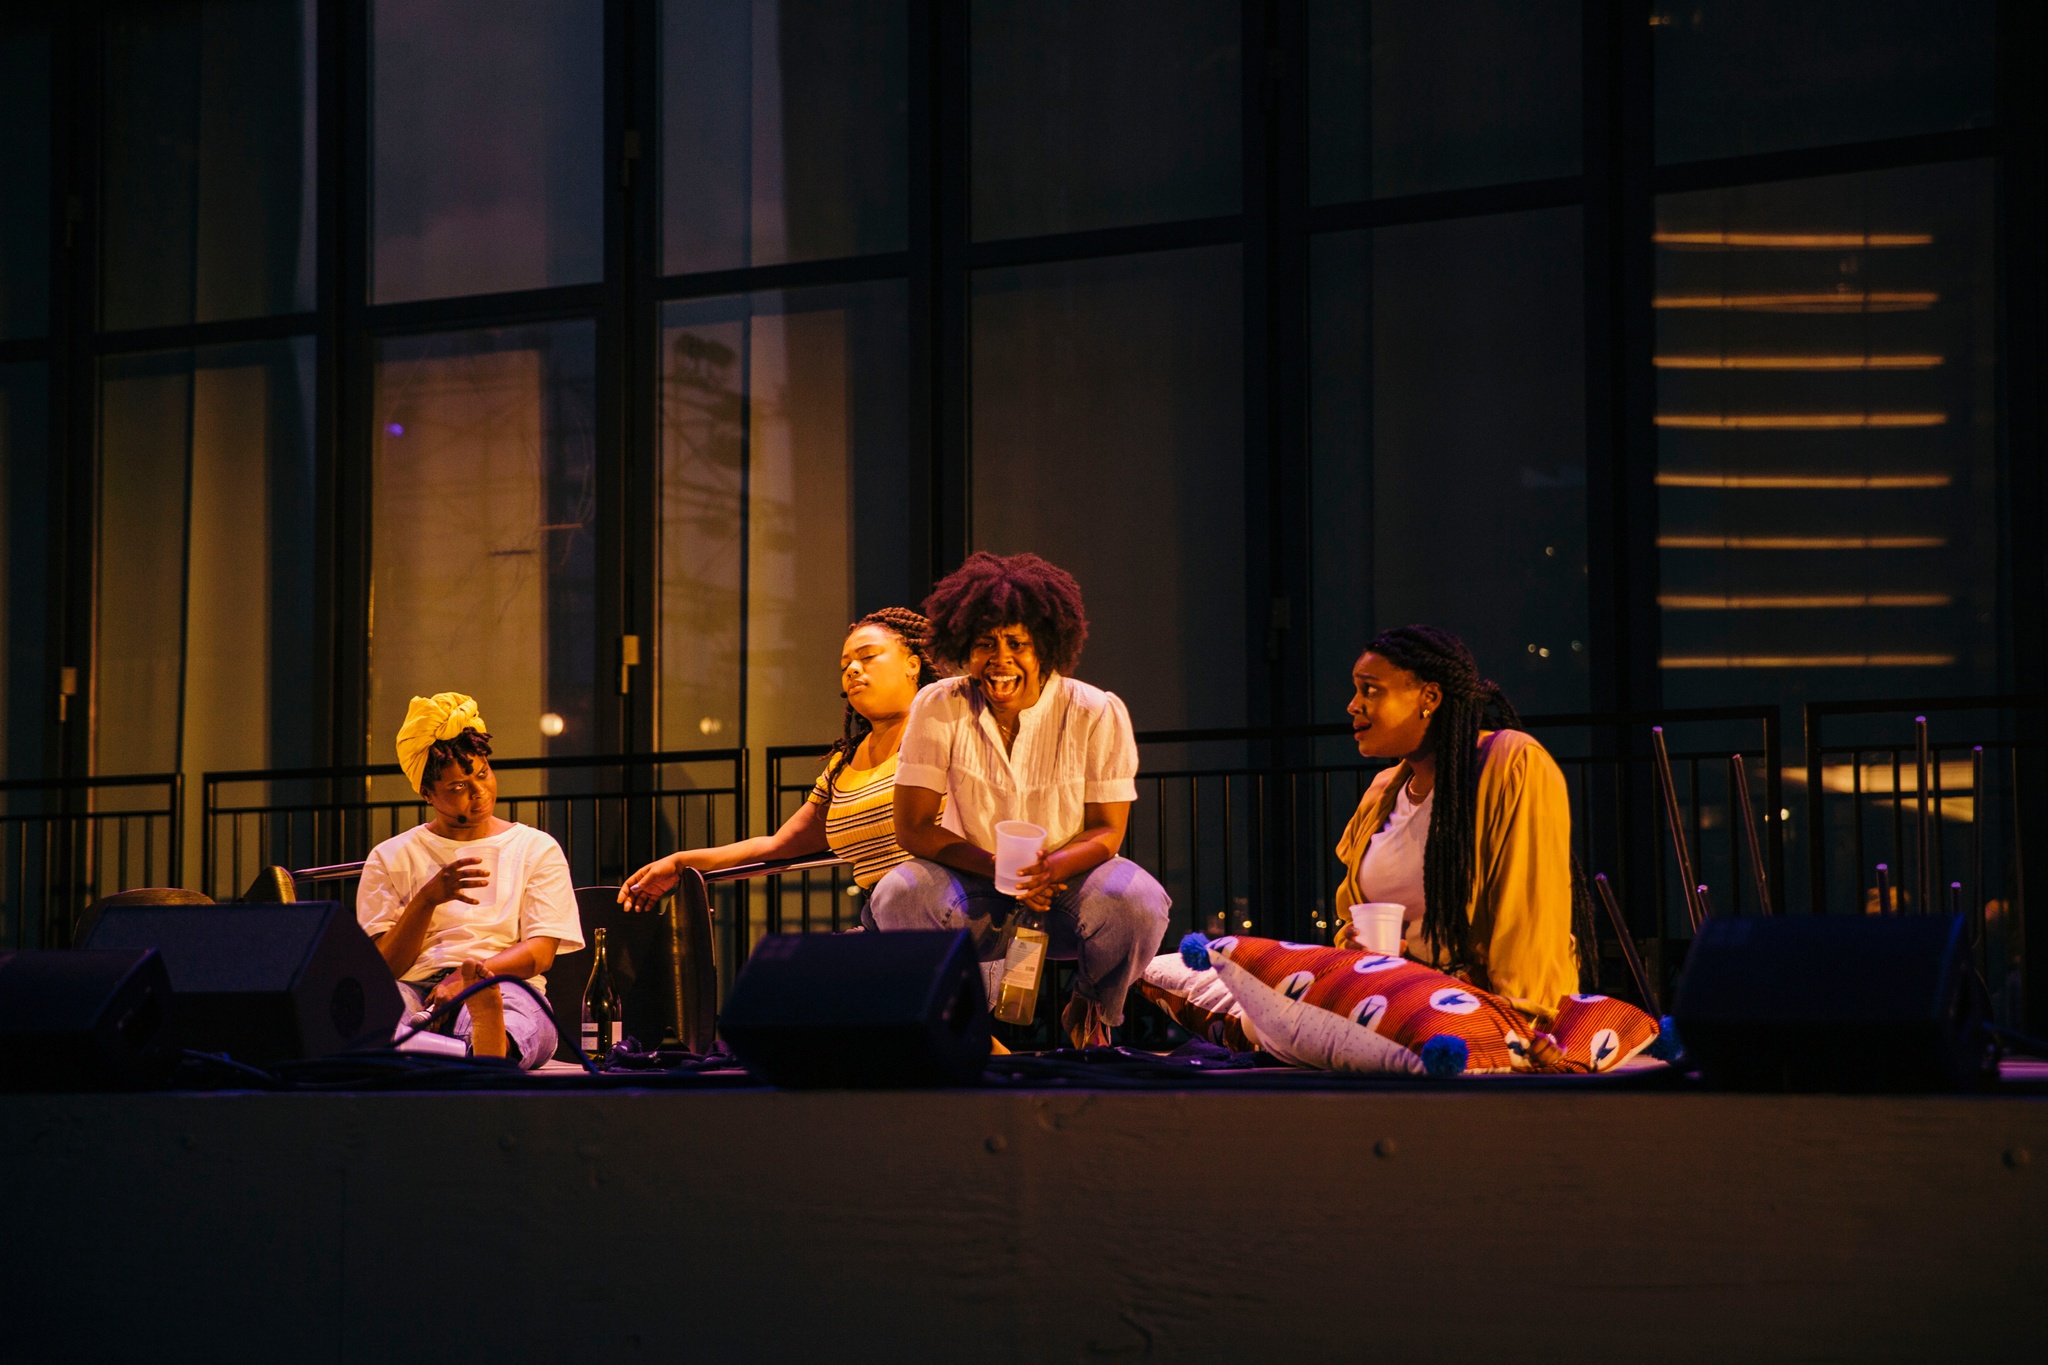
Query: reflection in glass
column 24, row 567
column 489, row 146
column 1448, row 448
column 1109, row 437
column 783, row 131
column 25, row 170
column 206, row 633
column 209, row 161
column 1741, row 76
column 483, row 533
column 1090, row 115
column 1826, row 437
column 783, row 505
column 1407, row 96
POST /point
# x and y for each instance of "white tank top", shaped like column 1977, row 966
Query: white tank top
column 1391, row 870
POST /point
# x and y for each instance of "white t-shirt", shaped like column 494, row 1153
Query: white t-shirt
column 1391, row 871
column 1073, row 746
column 529, row 895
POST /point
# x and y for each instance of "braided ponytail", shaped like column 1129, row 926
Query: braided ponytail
column 916, row 634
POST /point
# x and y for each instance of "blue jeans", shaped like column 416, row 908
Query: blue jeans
column 1110, row 922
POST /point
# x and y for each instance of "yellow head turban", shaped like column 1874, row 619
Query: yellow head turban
column 441, row 716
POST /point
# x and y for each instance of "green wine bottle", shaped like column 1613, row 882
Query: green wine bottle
column 603, row 1018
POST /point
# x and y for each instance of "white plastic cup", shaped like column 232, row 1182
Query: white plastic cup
column 1018, row 843
column 487, row 863
column 1376, row 926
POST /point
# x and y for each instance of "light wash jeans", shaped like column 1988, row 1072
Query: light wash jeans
column 1110, row 921
column 526, row 1023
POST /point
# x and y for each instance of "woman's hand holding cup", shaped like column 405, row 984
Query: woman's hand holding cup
column 1038, row 883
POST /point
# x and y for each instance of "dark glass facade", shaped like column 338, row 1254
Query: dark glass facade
column 1671, row 354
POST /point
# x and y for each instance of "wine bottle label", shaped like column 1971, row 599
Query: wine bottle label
column 1024, row 958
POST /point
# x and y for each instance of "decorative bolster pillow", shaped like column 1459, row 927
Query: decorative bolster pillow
column 1345, row 1010
column 1197, row 1001
column 1599, row 1033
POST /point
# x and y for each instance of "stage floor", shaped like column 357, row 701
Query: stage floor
column 1510, row 1223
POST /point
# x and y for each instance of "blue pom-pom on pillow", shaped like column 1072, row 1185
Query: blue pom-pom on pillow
column 1194, row 950
column 1666, row 1047
column 1445, row 1055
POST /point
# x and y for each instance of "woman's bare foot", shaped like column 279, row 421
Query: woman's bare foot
column 1083, row 1022
column 487, row 1023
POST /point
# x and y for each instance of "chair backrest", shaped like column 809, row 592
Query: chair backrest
column 136, row 895
column 641, row 951
column 156, row 895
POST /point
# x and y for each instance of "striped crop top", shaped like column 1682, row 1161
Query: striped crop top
column 860, row 819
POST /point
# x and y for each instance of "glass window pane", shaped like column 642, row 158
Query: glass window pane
column 1407, row 96
column 1448, row 448
column 1109, row 437
column 483, row 560
column 489, row 146
column 1826, row 445
column 783, row 131
column 1088, row 115
column 206, row 637
column 25, row 171
column 1740, row 76
column 784, row 491
column 209, row 161
column 25, row 516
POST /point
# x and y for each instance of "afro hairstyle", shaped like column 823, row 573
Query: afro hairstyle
column 989, row 591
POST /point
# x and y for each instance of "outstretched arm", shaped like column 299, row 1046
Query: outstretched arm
column 801, row 833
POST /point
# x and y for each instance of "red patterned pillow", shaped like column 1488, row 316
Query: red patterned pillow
column 1346, row 1010
column 1599, row 1033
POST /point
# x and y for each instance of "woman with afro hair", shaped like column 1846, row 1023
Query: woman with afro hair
column 1016, row 738
column 1471, row 829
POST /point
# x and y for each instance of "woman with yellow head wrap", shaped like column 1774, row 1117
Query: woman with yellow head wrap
column 435, row 720
column 467, row 895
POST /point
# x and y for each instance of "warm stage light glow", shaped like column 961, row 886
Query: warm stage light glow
column 1795, row 241
column 1797, row 421
column 1803, row 480
column 1838, row 301
column 1814, row 601
column 1807, row 660
column 1796, row 362
column 1801, row 542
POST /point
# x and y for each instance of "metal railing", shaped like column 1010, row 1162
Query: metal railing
column 65, row 842
column 1241, row 825
column 1920, row 810
column 610, row 813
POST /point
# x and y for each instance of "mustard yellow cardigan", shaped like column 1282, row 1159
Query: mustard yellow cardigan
column 1521, row 904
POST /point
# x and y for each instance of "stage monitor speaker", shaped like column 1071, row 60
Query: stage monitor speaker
column 860, row 1011
column 264, row 983
column 1822, row 1002
column 77, row 1020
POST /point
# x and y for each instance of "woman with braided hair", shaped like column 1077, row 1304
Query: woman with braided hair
column 1470, row 830
column 887, row 657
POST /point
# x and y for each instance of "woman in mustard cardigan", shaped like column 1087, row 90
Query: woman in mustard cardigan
column 1478, row 849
